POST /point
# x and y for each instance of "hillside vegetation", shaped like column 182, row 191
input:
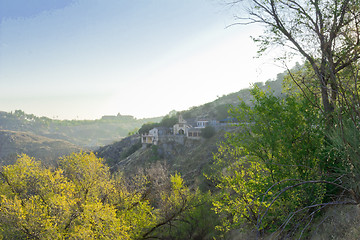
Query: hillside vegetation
column 288, row 168
column 268, row 167
column 218, row 109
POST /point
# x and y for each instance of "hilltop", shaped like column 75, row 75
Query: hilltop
column 218, row 109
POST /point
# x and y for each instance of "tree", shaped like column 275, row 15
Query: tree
column 208, row 132
column 325, row 32
column 146, row 127
column 169, row 120
column 74, row 201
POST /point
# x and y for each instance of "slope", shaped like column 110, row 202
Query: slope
column 13, row 143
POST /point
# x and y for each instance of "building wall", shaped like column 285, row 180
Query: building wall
column 194, row 134
column 147, row 139
column 181, row 126
column 202, row 124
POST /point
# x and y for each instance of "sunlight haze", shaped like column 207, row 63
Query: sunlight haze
column 81, row 59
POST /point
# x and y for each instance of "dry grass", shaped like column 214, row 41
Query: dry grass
column 338, row 223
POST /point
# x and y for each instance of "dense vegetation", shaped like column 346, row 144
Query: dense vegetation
column 80, row 199
column 295, row 155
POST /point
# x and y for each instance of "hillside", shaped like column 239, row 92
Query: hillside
column 218, row 109
column 85, row 133
column 13, row 143
column 186, row 156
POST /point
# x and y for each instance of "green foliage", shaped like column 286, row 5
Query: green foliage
column 208, row 132
column 145, row 128
column 278, row 142
column 133, row 132
column 342, row 156
column 222, row 111
column 169, row 121
column 67, row 202
column 154, row 153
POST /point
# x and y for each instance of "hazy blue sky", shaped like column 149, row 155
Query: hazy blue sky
column 87, row 58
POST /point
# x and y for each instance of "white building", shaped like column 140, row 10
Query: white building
column 151, row 138
column 181, row 128
column 201, row 123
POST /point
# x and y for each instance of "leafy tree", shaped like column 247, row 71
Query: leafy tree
column 339, row 144
column 73, row 202
column 35, row 202
column 145, row 128
column 80, row 199
column 278, row 145
column 208, row 132
column 169, row 120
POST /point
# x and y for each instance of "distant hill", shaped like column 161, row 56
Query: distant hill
column 85, row 133
column 218, row 109
column 94, row 133
column 13, row 143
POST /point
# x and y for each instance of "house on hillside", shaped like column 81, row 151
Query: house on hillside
column 153, row 136
column 150, row 138
column 191, row 131
column 190, row 128
column 182, row 127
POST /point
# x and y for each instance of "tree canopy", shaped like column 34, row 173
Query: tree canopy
column 81, row 200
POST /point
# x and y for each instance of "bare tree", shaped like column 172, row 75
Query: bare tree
column 325, row 32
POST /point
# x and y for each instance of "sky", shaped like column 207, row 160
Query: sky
column 82, row 59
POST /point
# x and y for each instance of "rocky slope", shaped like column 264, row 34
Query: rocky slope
column 189, row 157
